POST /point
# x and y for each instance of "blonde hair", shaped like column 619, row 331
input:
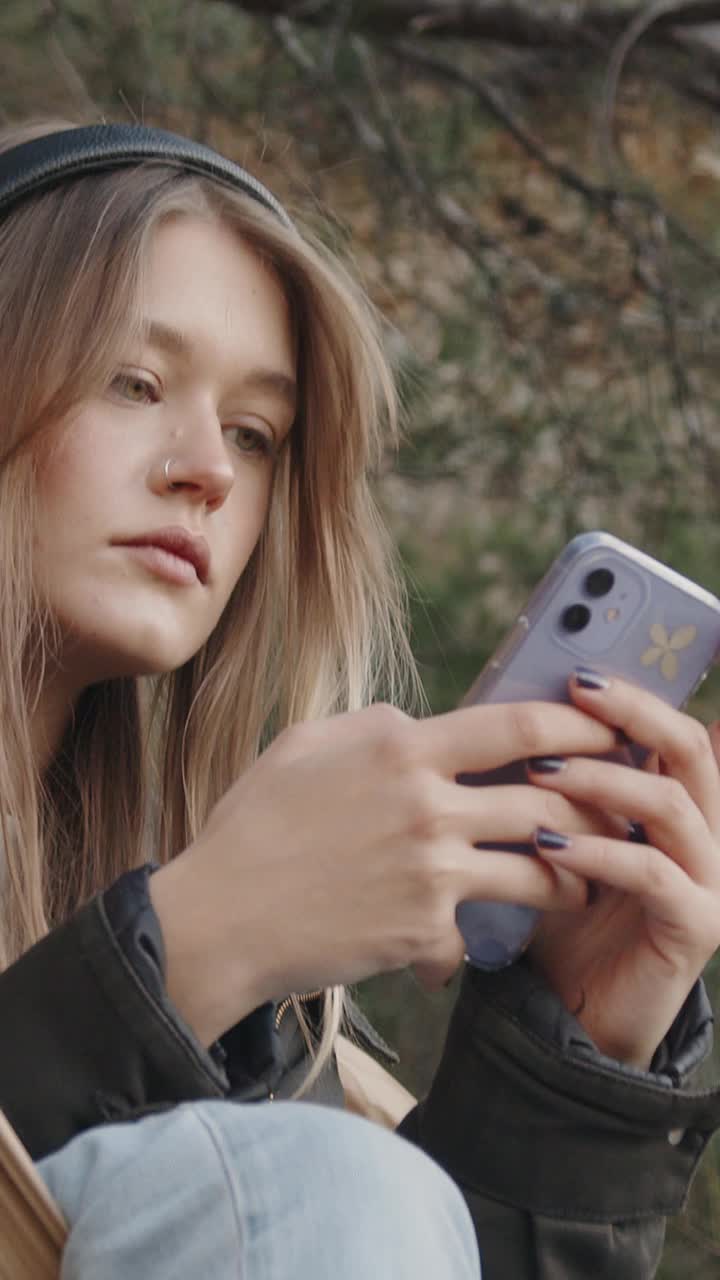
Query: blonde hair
column 316, row 623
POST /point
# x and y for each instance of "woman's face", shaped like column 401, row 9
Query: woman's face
column 211, row 387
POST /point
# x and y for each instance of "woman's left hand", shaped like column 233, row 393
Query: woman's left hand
column 626, row 964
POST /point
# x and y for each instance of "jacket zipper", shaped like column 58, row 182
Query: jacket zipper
column 285, row 1004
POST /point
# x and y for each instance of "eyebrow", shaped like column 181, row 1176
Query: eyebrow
column 165, row 337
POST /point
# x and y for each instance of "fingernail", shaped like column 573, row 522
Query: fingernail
column 586, row 678
column 546, row 839
column 546, row 764
column 636, row 833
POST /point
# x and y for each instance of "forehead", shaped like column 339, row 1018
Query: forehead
column 202, row 280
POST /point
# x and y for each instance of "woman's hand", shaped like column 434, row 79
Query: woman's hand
column 626, row 965
column 347, row 846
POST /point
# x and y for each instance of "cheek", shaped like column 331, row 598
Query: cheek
column 72, row 474
column 58, row 512
column 246, row 519
column 71, row 510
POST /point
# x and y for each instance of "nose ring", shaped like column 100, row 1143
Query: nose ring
column 166, row 469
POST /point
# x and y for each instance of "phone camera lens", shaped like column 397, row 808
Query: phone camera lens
column 599, row 582
column 575, row 617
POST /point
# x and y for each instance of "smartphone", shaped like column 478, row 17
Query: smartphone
column 602, row 604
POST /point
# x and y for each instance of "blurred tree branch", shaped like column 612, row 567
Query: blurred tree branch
column 636, row 215
column 613, row 200
column 559, row 25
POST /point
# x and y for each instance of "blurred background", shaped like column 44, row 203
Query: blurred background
column 530, row 192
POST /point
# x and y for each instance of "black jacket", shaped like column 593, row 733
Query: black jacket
column 568, row 1161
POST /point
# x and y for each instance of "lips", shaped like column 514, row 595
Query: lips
column 178, row 542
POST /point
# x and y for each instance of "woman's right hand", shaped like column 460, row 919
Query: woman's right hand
column 345, row 849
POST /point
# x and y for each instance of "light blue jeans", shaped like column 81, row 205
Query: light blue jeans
column 279, row 1191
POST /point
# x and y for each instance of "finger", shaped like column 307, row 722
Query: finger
column 682, row 743
column 477, row 739
column 714, row 735
column 641, row 870
column 508, row 813
column 497, row 875
column 434, row 974
column 651, row 764
column 670, row 817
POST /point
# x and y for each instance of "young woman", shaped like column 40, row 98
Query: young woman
column 208, row 830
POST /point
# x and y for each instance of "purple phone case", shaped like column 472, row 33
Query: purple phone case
column 653, row 627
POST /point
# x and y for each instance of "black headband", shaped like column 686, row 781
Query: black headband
column 35, row 166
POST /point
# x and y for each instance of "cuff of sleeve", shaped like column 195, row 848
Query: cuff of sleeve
column 90, row 1040
column 524, row 1109
column 131, row 916
column 525, row 996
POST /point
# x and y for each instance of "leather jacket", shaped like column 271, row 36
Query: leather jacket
column 569, row 1161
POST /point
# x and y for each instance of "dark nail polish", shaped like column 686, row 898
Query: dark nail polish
column 636, row 833
column 546, row 839
column 589, row 679
column 546, row 764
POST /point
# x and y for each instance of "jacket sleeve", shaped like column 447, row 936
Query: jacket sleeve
column 569, row 1161
column 88, row 1032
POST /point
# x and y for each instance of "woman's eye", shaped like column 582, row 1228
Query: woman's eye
column 250, row 440
column 134, row 387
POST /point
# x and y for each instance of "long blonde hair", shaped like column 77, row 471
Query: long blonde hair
column 315, row 624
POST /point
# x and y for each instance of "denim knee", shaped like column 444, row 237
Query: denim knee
column 373, row 1192
column 263, row 1191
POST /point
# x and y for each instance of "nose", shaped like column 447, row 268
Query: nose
column 197, row 465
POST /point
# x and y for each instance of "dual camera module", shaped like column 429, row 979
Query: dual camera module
column 596, row 585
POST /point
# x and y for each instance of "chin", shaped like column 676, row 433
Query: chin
column 90, row 660
column 156, row 661
column 160, row 651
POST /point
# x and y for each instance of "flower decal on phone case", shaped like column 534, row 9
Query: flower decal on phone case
column 665, row 648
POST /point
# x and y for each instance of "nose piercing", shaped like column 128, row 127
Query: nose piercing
column 166, row 469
